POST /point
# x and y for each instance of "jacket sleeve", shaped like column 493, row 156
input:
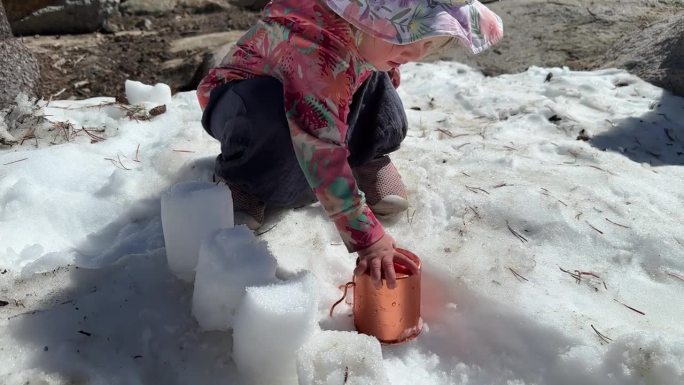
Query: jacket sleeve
column 319, row 77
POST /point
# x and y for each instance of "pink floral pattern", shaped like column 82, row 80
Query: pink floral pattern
column 475, row 26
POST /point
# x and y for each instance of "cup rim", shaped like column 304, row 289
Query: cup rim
column 413, row 257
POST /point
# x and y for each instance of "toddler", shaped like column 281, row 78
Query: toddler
column 305, row 108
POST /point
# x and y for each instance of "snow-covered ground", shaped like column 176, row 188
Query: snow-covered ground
column 547, row 259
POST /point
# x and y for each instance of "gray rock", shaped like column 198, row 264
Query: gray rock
column 180, row 73
column 205, row 42
column 19, row 72
column 5, row 30
column 148, row 6
column 205, row 5
column 200, row 53
column 145, row 24
column 210, row 60
column 18, row 9
column 655, row 54
column 66, row 17
column 250, row 4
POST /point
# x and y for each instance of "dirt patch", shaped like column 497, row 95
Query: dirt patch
column 573, row 33
column 135, row 47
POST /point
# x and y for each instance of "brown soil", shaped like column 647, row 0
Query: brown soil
column 97, row 64
column 572, row 33
column 575, row 33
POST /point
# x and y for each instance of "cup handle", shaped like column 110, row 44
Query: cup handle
column 344, row 287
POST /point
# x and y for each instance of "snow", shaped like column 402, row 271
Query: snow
column 272, row 323
column 230, row 260
column 190, row 212
column 137, row 92
column 503, row 196
column 332, row 356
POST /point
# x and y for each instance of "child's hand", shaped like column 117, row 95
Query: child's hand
column 379, row 258
column 395, row 76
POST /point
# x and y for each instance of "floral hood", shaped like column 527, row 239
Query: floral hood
column 404, row 21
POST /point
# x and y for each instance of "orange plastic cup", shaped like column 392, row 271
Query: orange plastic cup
column 390, row 315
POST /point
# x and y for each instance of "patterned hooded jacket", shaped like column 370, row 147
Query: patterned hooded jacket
column 308, row 45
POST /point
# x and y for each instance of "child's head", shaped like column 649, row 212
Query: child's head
column 398, row 31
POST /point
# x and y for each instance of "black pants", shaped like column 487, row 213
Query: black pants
column 257, row 156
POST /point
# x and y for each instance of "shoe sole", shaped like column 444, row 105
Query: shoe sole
column 390, row 205
column 242, row 218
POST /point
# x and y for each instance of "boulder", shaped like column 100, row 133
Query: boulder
column 205, row 42
column 655, row 54
column 61, row 16
column 148, row 6
column 250, row 4
column 205, row 5
column 210, row 60
column 18, row 9
column 19, row 72
column 5, row 31
column 199, row 54
column 158, row 7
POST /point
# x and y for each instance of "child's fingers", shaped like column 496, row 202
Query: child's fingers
column 406, row 261
column 376, row 272
column 390, row 274
column 361, row 266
